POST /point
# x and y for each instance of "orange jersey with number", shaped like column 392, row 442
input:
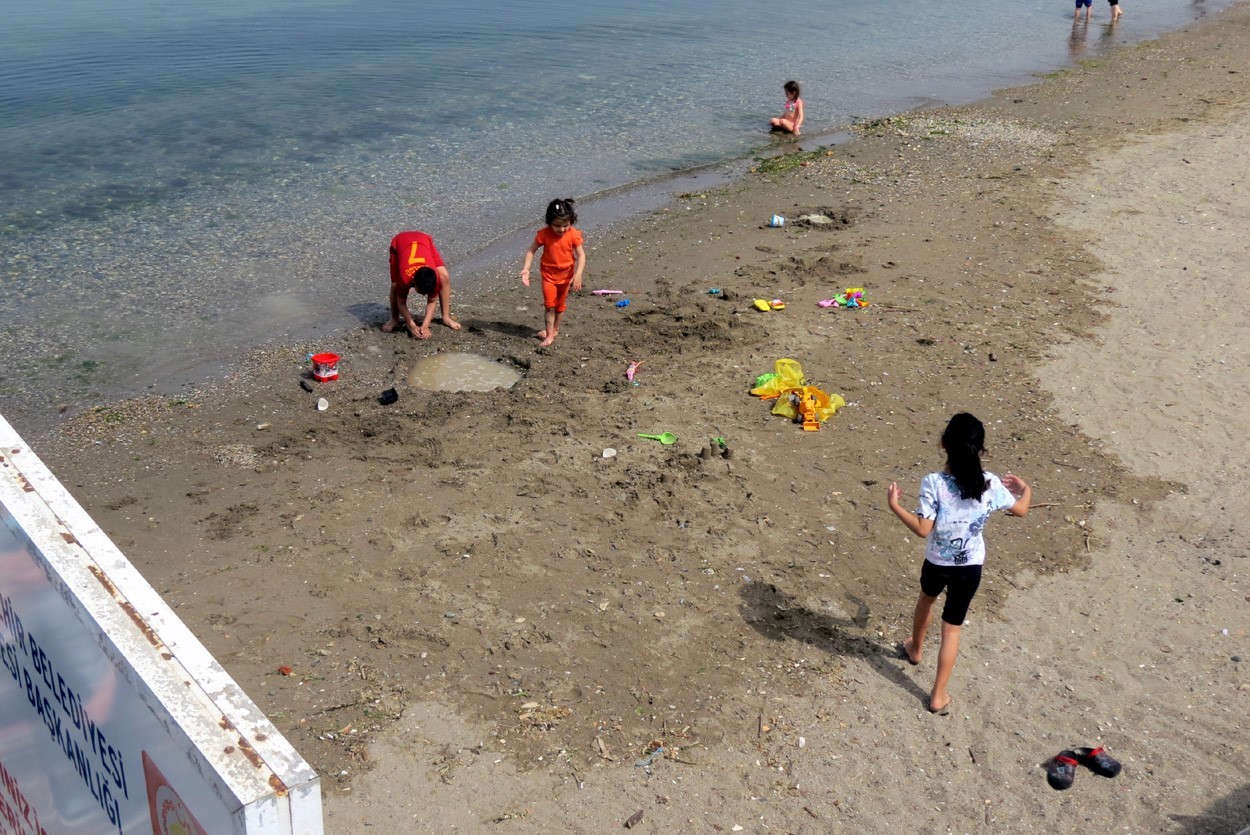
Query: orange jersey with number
column 559, row 253
column 410, row 251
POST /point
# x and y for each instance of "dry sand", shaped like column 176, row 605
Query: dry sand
column 493, row 626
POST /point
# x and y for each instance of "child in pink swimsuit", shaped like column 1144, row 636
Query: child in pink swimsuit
column 791, row 118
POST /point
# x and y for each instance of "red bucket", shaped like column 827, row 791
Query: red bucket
column 325, row 367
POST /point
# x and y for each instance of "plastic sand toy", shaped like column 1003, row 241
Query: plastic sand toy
column 852, row 299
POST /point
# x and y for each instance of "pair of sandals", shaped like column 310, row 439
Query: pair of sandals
column 1061, row 770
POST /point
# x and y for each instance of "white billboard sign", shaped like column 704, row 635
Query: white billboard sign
column 114, row 718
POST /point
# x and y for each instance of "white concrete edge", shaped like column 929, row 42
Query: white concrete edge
column 250, row 754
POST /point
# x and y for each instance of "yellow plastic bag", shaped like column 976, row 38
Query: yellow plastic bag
column 789, row 376
column 823, row 405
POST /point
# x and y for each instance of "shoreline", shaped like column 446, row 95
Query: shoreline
column 497, row 620
column 107, row 368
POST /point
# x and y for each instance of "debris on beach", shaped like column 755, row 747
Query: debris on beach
column 796, row 400
column 852, row 299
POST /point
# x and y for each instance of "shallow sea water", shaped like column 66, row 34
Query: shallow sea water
column 177, row 187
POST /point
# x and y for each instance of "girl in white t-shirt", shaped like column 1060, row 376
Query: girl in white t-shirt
column 953, row 509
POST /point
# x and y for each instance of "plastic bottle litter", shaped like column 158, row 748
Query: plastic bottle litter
column 777, row 221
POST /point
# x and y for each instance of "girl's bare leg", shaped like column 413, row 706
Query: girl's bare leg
column 919, row 626
column 550, row 333
column 939, row 699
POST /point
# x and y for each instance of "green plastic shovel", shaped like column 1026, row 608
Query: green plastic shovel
column 666, row 438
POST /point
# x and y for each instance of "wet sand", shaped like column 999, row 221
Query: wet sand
column 489, row 622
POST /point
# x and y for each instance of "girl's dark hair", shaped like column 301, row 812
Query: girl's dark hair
column 964, row 441
column 791, row 87
column 561, row 208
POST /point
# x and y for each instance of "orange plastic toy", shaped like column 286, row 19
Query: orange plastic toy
column 809, row 402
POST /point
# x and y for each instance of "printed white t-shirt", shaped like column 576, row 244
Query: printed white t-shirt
column 956, row 536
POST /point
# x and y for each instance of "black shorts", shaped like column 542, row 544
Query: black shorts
column 959, row 581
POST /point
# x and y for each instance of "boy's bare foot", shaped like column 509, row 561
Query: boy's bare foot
column 389, row 327
column 451, row 323
column 939, row 707
column 912, row 658
column 548, row 339
column 541, row 334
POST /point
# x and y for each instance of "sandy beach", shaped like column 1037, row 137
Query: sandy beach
column 489, row 624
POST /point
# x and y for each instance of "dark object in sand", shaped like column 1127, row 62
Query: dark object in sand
column 388, row 397
column 306, row 385
column 1098, row 761
column 634, row 820
column 1061, row 771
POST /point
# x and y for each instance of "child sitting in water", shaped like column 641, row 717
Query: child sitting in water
column 791, row 118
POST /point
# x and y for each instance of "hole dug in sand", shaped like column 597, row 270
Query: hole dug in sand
column 461, row 372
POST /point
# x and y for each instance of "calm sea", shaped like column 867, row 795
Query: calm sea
column 181, row 183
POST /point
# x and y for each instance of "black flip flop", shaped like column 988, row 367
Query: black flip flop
column 1061, row 771
column 1098, row 761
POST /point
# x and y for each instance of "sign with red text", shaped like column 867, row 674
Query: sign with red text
column 113, row 716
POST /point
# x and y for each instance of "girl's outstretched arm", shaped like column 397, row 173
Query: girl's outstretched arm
column 579, row 255
column 1021, row 490
column 920, row 527
column 798, row 116
column 529, row 260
